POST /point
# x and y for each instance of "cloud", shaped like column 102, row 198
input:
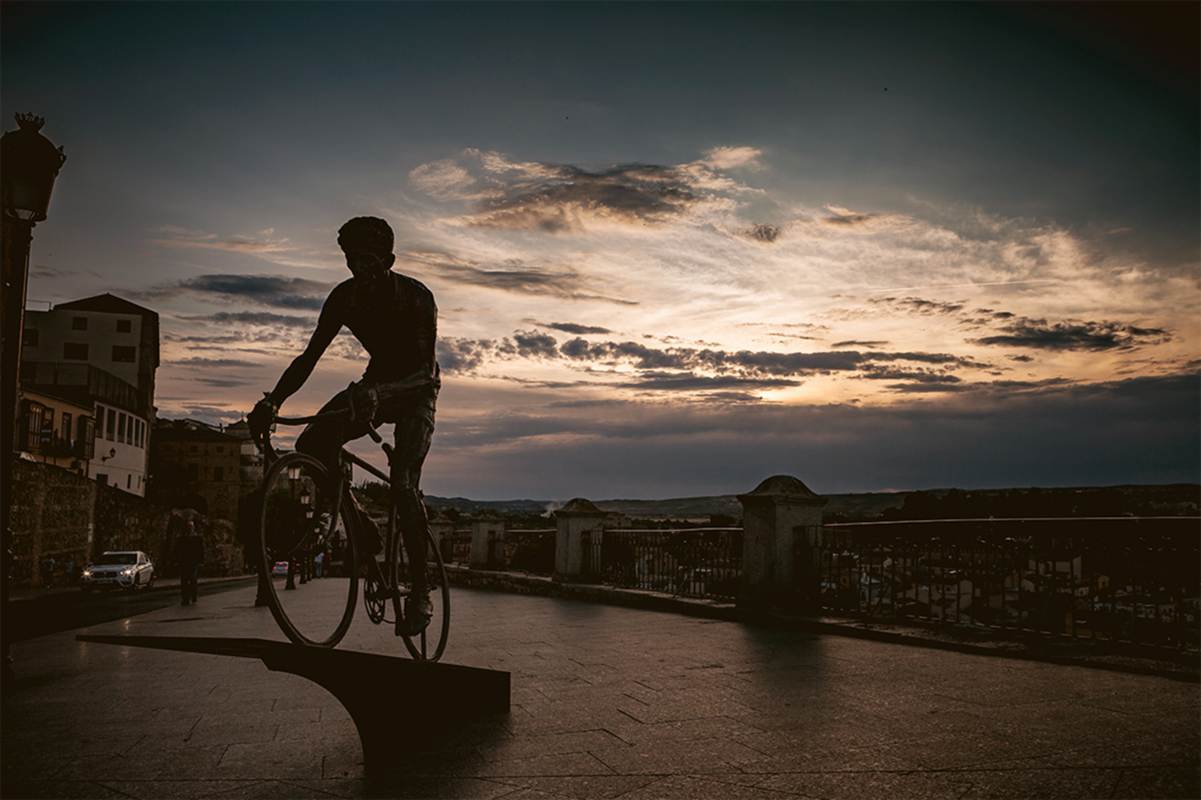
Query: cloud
column 837, row 215
column 211, row 362
column 266, row 318
column 572, row 327
column 513, row 276
column 763, row 232
column 744, row 361
column 442, row 180
column 858, row 343
column 974, row 437
column 562, row 198
column 733, row 157
column 688, row 382
column 265, row 241
column 1074, row 335
column 226, row 383
column 927, row 388
column 918, row 305
column 531, row 344
column 876, row 372
column 280, row 291
column 458, row 355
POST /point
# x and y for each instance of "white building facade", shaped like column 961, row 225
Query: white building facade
column 105, row 350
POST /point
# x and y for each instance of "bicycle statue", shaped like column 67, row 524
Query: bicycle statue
column 306, row 511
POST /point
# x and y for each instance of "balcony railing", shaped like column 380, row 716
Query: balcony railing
column 1115, row 578
column 1124, row 579
column 687, row 562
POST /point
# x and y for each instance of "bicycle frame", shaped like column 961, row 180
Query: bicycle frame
column 345, row 456
column 388, row 576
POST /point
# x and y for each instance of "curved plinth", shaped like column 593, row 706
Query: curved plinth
column 393, row 701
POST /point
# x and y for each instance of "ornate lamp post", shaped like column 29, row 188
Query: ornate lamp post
column 29, row 163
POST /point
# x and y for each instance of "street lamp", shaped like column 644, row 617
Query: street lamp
column 29, row 163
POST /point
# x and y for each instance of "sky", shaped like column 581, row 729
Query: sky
column 675, row 248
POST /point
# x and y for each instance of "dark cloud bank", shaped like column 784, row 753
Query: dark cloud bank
column 1144, row 430
column 279, row 291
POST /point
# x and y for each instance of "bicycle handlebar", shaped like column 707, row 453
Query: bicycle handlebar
column 386, row 391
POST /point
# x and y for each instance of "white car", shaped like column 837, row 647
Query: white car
column 122, row 569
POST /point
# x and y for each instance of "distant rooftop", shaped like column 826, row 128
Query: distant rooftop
column 107, row 303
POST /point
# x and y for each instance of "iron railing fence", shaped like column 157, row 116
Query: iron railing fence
column 529, row 550
column 456, row 547
column 1128, row 579
column 686, row 562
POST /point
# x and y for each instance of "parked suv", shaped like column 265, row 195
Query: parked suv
column 124, row 569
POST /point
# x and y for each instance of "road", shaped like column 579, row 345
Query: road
column 60, row 611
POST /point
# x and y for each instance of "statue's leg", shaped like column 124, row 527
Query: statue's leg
column 323, row 440
column 413, row 435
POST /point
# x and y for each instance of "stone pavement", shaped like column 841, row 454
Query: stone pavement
column 607, row 702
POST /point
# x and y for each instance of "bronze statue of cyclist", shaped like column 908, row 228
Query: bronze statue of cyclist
column 395, row 319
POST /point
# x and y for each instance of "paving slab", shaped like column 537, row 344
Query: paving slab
column 608, row 702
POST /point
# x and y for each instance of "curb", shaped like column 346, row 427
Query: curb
column 1045, row 649
column 170, row 584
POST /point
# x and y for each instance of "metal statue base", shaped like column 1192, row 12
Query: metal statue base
column 396, row 703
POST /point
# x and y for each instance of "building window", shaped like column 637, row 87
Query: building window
column 75, row 351
column 79, row 323
column 111, row 428
column 218, row 473
column 121, row 428
column 84, row 441
column 64, row 429
column 124, row 326
column 29, row 337
column 193, row 471
column 126, row 354
column 32, row 425
column 128, row 481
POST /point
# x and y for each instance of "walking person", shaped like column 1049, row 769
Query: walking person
column 190, row 555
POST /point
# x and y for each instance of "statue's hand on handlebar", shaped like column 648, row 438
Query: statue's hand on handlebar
column 262, row 417
column 364, row 402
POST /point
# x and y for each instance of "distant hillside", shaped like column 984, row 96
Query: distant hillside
column 467, row 506
column 1165, row 500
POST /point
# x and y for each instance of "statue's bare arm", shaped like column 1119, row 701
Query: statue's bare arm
column 328, row 325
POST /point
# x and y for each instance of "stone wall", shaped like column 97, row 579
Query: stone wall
column 61, row 515
column 52, row 517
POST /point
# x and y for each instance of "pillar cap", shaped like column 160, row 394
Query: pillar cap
column 784, row 488
column 579, row 507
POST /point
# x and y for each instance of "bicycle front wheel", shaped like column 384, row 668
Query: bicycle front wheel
column 305, row 530
column 430, row 643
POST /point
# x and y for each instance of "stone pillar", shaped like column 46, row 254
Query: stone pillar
column 487, row 535
column 579, row 522
column 781, row 521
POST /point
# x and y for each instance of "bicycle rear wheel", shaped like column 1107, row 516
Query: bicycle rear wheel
column 300, row 519
column 430, row 643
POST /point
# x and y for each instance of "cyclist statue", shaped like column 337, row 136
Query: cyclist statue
column 395, row 318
